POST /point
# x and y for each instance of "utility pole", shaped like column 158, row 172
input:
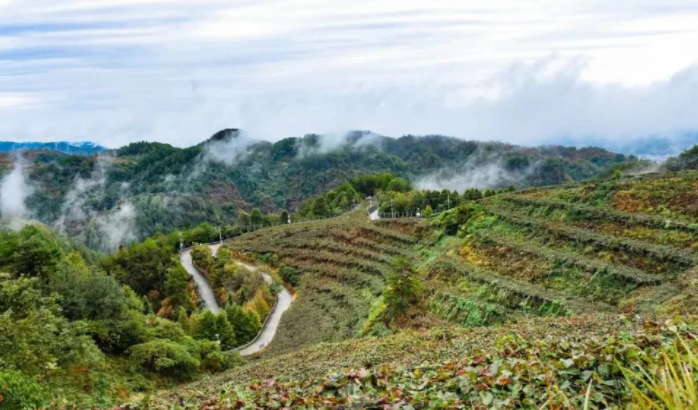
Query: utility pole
column 181, row 242
column 392, row 211
column 448, row 201
column 220, row 234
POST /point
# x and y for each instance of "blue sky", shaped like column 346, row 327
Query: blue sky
column 117, row 71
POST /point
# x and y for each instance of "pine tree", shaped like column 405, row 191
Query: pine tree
column 428, row 211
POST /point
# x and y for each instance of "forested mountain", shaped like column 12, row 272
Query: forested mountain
column 78, row 148
column 143, row 188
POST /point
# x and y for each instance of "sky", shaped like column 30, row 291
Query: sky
column 525, row 72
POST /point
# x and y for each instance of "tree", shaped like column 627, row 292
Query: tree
column 399, row 185
column 216, row 328
column 244, row 219
column 176, row 286
column 403, row 289
column 33, row 251
column 245, row 324
column 183, row 319
column 428, row 211
column 472, row 194
column 343, row 203
column 284, row 217
column 207, row 326
column 202, row 257
column 256, row 217
column 320, row 207
column 225, row 331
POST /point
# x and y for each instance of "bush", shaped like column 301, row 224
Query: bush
column 289, row 274
column 403, row 289
column 166, row 358
column 19, row 392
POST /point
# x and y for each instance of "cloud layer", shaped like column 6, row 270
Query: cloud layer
column 117, row 71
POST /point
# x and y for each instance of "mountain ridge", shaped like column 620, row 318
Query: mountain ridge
column 66, row 147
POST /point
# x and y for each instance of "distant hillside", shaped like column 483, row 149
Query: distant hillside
column 76, row 148
column 658, row 147
column 145, row 187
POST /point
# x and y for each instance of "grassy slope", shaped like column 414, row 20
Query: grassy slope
column 598, row 249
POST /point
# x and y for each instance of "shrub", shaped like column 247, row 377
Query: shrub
column 403, row 289
column 289, row 274
column 166, row 358
column 19, row 392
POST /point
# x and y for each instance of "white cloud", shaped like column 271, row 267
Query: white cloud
column 14, row 190
column 117, row 71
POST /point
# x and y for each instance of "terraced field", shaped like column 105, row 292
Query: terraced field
column 342, row 264
column 578, row 249
column 530, row 299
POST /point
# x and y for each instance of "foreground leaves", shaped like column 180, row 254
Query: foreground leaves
column 557, row 371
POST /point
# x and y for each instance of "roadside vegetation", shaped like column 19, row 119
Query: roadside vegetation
column 70, row 333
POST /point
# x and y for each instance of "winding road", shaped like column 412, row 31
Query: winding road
column 271, row 324
column 205, row 290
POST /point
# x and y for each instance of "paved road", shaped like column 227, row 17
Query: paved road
column 267, row 334
column 205, row 290
column 272, row 324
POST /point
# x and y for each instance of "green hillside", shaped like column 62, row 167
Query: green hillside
column 143, row 188
column 527, row 299
column 545, row 297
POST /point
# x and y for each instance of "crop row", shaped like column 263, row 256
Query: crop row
column 679, row 257
column 345, row 249
column 567, row 258
column 372, row 231
column 333, row 259
column 383, row 248
column 595, row 213
column 468, row 312
column 343, row 275
column 527, row 290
